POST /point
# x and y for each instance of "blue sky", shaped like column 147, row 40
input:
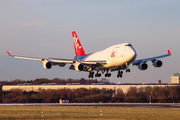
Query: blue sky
column 42, row 28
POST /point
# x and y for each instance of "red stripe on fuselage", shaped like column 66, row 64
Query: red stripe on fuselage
column 87, row 57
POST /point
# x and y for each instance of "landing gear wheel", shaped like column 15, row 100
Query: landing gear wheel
column 128, row 70
column 107, row 74
column 119, row 74
column 91, row 74
column 98, row 74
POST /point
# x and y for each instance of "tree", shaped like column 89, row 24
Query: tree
column 131, row 95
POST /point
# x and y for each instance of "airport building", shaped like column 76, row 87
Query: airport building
column 116, row 87
column 175, row 80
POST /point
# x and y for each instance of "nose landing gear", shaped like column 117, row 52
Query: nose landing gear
column 128, row 70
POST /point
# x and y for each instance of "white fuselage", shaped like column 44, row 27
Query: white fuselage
column 116, row 55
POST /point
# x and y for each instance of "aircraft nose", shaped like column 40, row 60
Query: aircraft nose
column 132, row 55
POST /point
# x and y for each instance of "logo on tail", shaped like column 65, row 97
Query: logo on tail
column 77, row 45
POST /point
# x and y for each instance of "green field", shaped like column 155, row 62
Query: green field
column 86, row 113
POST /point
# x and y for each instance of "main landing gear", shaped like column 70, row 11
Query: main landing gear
column 98, row 74
column 107, row 74
column 91, row 74
column 119, row 74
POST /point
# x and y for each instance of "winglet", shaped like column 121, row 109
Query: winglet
column 8, row 53
column 169, row 52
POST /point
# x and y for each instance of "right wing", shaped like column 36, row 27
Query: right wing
column 23, row 57
column 59, row 61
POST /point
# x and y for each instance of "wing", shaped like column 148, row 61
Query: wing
column 24, row 57
column 59, row 61
column 136, row 62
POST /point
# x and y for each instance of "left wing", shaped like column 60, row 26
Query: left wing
column 137, row 62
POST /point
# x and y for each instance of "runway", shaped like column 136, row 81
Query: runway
column 141, row 105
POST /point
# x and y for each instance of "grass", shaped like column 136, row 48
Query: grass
column 86, row 113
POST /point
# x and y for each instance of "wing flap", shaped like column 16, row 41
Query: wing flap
column 59, row 60
column 73, row 61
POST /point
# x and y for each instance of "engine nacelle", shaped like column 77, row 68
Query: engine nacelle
column 142, row 66
column 79, row 67
column 46, row 64
column 157, row 63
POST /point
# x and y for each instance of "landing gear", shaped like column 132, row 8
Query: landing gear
column 107, row 74
column 98, row 74
column 128, row 70
column 119, row 74
column 91, row 74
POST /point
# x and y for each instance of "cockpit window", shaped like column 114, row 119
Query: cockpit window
column 128, row 45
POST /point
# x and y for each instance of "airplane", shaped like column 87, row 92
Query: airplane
column 114, row 58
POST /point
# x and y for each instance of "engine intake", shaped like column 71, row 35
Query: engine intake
column 79, row 67
column 46, row 64
column 157, row 63
column 142, row 66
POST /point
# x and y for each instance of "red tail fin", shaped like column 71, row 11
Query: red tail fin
column 77, row 45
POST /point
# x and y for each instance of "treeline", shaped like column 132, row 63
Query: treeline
column 80, row 95
column 168, row 94
column 55, row 80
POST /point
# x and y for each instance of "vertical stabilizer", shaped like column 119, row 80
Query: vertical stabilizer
column 77, row 45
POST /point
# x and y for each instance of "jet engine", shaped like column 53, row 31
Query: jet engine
column 46, row 64
column 79, row 67
column 142, row 66
column 157, row 63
